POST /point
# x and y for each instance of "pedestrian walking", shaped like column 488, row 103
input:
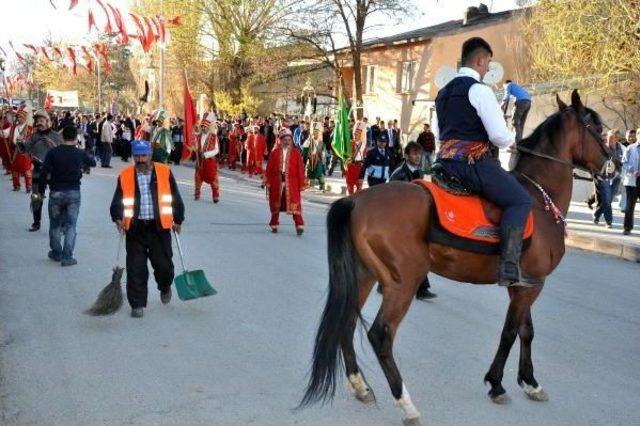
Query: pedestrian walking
column 62, row 170
column 285, row 181
column 206, row 148
column 522, row 105
column 631, row 182
column 37, row 146
column 106, row 138
column 607, row 187
column 146, row 206
column 408, row 171
column 427, row 141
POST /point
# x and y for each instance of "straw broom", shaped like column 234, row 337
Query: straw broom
column 110, row 299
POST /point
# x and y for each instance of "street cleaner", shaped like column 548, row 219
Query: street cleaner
column 146, row 206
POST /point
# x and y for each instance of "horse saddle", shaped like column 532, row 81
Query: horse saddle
column 463, row 220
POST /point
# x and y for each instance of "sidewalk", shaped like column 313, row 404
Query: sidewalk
column 582, row 233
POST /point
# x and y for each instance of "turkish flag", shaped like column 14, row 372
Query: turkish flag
column 189, row 120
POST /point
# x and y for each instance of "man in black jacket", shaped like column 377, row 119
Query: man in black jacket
column 377, row 163
column 146, row 206
column 410, row 170
column 37, row 146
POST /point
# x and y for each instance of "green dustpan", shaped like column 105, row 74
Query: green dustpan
column 191, row 284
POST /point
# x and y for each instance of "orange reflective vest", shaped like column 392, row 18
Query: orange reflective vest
column 164, row 199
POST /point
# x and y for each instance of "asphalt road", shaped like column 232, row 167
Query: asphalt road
column 241, row 357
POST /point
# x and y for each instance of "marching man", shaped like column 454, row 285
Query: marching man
column 207, row 148
column 358, row 154
column 21, row 162
column 285, row 181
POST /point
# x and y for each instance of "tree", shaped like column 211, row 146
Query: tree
column 590, row 40
column 317, row 22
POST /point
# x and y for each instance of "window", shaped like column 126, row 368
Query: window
column 407, row 71
column 369, row 79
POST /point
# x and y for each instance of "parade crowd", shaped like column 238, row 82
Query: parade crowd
column 287, row 154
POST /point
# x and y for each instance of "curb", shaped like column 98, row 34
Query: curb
column 578, row 240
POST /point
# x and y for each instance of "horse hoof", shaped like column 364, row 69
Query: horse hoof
column 411, row 422
column 365, row 398
column 536, row 394
column 501, row 399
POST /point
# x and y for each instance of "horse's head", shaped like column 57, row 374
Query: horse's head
column 583, row 136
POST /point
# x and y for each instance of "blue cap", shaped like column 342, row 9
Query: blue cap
column 140, row 148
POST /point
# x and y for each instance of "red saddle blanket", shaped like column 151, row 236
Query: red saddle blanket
column 469, row 216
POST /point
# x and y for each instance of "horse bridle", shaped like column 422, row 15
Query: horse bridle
column 584, row 120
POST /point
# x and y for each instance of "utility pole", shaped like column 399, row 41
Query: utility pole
column 162, row 48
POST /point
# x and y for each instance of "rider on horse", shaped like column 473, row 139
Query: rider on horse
column 469, row 122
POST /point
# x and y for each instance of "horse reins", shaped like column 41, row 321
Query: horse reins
column 587, row 126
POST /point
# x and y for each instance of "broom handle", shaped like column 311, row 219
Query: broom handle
column 184, row 268
column 120, row 241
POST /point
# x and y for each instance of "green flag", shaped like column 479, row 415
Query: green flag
column 341, row 135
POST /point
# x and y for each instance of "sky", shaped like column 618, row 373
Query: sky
column 32, row 21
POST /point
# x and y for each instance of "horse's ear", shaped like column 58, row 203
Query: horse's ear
column 576, row 102
column 561, row 105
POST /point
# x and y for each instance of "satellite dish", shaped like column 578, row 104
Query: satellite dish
column 444, row 75
column 495, row 73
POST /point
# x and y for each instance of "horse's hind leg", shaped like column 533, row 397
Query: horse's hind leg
column 357, row 383
column 521, row 300
column 525, row 370
column 381, row 335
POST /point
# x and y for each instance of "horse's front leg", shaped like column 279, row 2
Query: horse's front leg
column 495, row 373
column 526, row 380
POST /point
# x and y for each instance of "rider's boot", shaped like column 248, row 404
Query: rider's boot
column 510, row 250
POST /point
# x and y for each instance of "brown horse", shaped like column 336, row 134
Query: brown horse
column 364, row 247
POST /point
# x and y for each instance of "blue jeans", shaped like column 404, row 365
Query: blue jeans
column 489, row 180
column 64, row 207
column 606, row 190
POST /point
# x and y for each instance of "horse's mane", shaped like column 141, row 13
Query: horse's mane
column 550, row 126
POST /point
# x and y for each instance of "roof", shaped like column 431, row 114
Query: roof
column 440, row 30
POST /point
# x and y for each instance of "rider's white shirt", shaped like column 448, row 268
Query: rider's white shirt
column 486, row 104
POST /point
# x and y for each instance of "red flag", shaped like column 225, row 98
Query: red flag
column 92, row 21
column 88, row 58
column 137, row 20
column 189, row 120
column 19, row 56
column 72, row 56
column 156, row 27
column 48, row 102
column 73, row 4
column 107, row 29
column 150, row 37
column 44, row 51
column 162, row 28
column 101, row 48
column 32, row 47
column 120, row 24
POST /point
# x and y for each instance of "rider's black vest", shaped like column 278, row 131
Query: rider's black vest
column 457, row 118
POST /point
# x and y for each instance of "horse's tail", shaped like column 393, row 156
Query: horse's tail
column 341, row 308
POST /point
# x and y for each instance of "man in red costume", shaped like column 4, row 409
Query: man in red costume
column 235, row 145
column 285, row 182
column 20, row 161
column 6, row 121
column 358, row 153
column 206, row 149
column 259, row 152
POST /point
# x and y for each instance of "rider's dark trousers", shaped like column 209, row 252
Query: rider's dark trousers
column 489, row 180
